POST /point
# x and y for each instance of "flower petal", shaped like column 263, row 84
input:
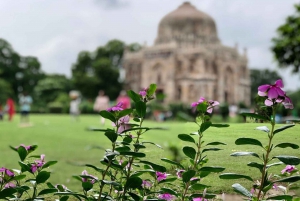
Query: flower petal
column 260, row 93
column 268, row 102
column 279, row 83
column 272, row 93
column 264, row 88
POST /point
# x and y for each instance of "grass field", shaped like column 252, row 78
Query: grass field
column 69, row 142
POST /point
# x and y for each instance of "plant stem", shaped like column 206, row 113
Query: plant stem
column 266, row 160
column 105, row 172
column 185, row 190
column 34, row 192
column 136, row 149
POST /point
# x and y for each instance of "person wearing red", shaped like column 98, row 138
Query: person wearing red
column 124, row 99
column 10, row 108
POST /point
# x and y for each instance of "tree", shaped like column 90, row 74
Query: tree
column 259, row 77
column 51, row 87
column 5, row 91
column 22, row 73
column 99, row 70
column 286, row 45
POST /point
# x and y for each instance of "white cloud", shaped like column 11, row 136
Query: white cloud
column 56, row 31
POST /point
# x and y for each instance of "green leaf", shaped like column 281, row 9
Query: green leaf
column 204, row 126
column 263, row 128
column 152, row 144
column 202, row 107
column 113, row 183
column 48, row 164
column 123, row 148
column 47, row 191
column 211, row 149
column 87, row 185
column 131, row 153
column 251, row 141
column 125, row 112
column 285, row 145
column 42, row 177
column 172, row 162
column 187, row 175
column 189, row 152
column 140, row 108
column 256, row 165
column 242, row 190
column 24, row 167
column 64, row 198
column 112, row 136
column 274, row 164
column 283, row 128
column 133, row 182
column 134, row 196
column 7, row 192
column 187, row 138
column 234, row 176
column 212, row 169
column 207, row 195
column 22, row 153
column 245, row 154
column 127, row 139
column 155, row 167
column 107, row 115
column 168, row 180
column 169, row 190
column 134, row 96
column 289, row 160
column 216, row 143
column 255, row 116
column 19, row 177
column 281, row 197
column 289, row 179
column 220, row 125
column 199, row 187
column 151, row 90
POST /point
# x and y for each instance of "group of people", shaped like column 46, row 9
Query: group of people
column 25, row 103
column 102, row 102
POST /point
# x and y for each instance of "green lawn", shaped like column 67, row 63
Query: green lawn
column 69, row 142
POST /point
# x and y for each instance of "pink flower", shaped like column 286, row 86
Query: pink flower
column 166, row 196
column 117, row 107
column 10, row 185
column 201, row 100
column 275, row 187
column 161, row 176
column 92, row 181
column 38, row 164
column 26, row 147
column 179, row 173
column 124, row 124
column 272, row 91
column 211, row 105
column 143, row 92
column 287, row 103
column 146, row 184
column 288, row 169
column 7, row 172
column 199, row 199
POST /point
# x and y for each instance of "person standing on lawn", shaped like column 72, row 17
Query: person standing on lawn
column 25, row 106
column 124, row 99
column 101, row 103
column 10, row 108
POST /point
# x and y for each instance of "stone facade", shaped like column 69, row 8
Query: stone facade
column 187, row 61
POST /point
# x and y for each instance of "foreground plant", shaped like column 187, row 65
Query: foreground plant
column 274, row 97
column 12, row 186
column 192, row 174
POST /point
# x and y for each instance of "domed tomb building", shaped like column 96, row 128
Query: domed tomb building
column 188, row 60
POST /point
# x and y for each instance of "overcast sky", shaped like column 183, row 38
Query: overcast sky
column 55, row 31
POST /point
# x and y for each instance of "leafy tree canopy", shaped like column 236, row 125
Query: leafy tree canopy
column 99, row 70
column 286, row 45
column 21, row 73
